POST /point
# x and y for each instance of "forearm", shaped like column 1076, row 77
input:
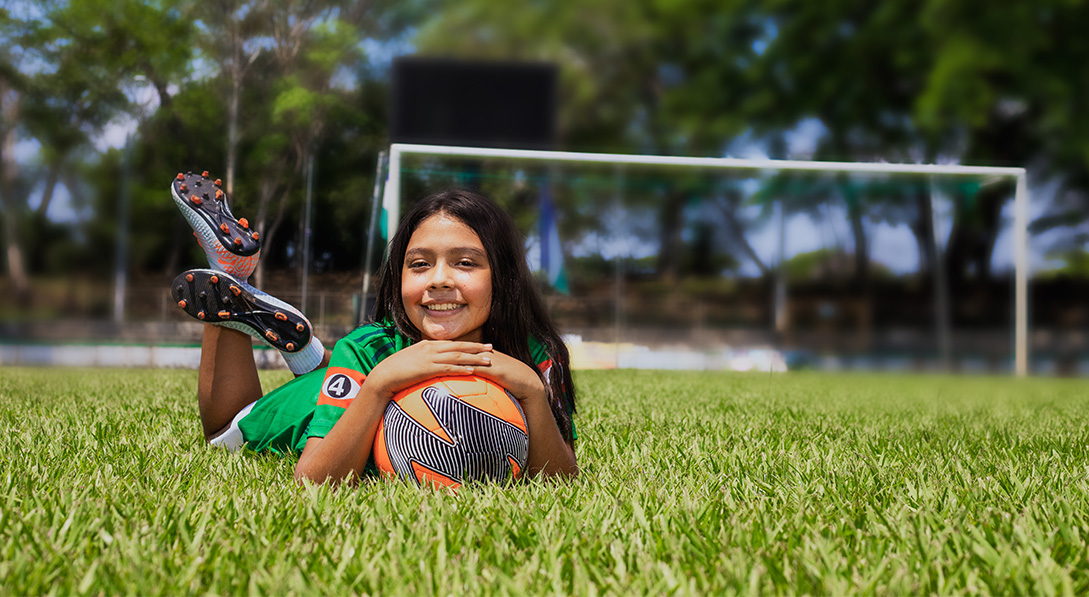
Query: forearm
column 549, row 455
column 346, row 448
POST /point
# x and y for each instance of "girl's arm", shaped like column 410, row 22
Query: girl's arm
column 346, row 448
column 549, row 455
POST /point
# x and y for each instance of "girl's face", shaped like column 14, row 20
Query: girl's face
column 446, row 281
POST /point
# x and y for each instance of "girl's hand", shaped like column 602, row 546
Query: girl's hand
column 549, row 455
column 513, row 375
column 425, row 360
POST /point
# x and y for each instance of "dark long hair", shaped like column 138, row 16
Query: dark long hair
column 517, row 311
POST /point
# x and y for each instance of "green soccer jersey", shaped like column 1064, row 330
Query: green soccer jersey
column 309, row 406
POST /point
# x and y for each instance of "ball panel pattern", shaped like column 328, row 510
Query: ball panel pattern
column 431, row 433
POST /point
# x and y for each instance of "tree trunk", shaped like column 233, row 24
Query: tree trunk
column 8, row 202
column 670, row 245
column 51, row 180
column 923, row 227
column 737, row 231
column 232, row 134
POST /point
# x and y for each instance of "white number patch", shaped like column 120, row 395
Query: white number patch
column 340, row 387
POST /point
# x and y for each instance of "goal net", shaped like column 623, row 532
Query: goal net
column 757, row 264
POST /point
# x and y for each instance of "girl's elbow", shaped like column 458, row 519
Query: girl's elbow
column 303, row 475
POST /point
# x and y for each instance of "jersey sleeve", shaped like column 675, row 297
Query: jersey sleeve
column 544, row 364
column 353, row 358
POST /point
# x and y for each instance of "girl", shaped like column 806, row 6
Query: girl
column 455, row 297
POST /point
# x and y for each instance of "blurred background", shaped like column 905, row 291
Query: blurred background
column 292, row 103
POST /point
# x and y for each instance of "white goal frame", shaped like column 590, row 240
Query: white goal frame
column 391, row 199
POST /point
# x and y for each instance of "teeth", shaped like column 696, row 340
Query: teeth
column 443, row 307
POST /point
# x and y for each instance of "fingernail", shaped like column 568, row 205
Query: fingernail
column 487, row 360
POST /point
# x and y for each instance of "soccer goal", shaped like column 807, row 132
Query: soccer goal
column 731, row 257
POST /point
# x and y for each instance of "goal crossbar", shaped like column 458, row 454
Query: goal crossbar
column 391, row 200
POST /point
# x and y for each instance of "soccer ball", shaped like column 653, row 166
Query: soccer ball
column 450, row 430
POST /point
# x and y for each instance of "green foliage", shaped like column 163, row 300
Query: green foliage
column 1073, row 263
column 691, row 483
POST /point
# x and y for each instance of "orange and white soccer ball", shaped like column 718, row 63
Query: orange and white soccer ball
column 451, row 430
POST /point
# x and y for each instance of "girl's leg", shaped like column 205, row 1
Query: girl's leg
column 227, row 380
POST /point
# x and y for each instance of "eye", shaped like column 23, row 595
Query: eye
column 466, row 263
column 417, row 264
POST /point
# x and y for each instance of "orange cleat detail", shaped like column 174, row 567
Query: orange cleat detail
column 200, row 315
column 243, row 222
column 218, row 182
column 299, row 327
column 183, row 188
column 180, row 176
column 195, row 200
column 290, row 346
column 271, row 335
column 281, row 316
column 236, row 290
column 182, row 303
column 204, row 174
column 219, row 194
column 224, row 314
column 224, row 228
column 237, row 241
column 214, row 279
column 188, row 277
column 254, row 236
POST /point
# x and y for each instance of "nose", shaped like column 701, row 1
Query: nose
column 440, row 276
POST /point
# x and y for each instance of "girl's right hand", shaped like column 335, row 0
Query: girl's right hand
column 425, row 360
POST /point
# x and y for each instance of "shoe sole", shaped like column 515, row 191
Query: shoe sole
column 229, row 243
column 219, row 298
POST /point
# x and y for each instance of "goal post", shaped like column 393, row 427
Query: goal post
column 391, row 200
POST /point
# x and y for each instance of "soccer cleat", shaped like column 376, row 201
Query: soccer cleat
column 228, row 242
column 222, row 299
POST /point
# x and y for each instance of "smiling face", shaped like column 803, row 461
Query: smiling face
column 446, row 280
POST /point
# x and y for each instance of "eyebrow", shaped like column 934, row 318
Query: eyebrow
column 473, row 251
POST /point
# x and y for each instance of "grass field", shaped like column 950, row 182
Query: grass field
column 691, row 483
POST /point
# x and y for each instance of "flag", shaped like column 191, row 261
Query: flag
column 551, row 253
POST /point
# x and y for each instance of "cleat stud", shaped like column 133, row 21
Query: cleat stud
column 226, row 300
column 180, row 176
column 183, row 188
column 243, row 222
column 195, row 200
column 200, row 315
column 219, row 194
column 254, row 236
column 179, row 288
column 214, row 279
column 281, row 316
column 182, row 303
column 290, row 347
column 236, row 290
column 224, row 228
column 188, row 277
column 237, row 240
column 204, row 174
column 224, row 314
column 299, row 327
column 203, row 295
column 271, row 335
column 218, row 183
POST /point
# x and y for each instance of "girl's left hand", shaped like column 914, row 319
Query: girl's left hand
column 513, row 375
column 549, row 455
